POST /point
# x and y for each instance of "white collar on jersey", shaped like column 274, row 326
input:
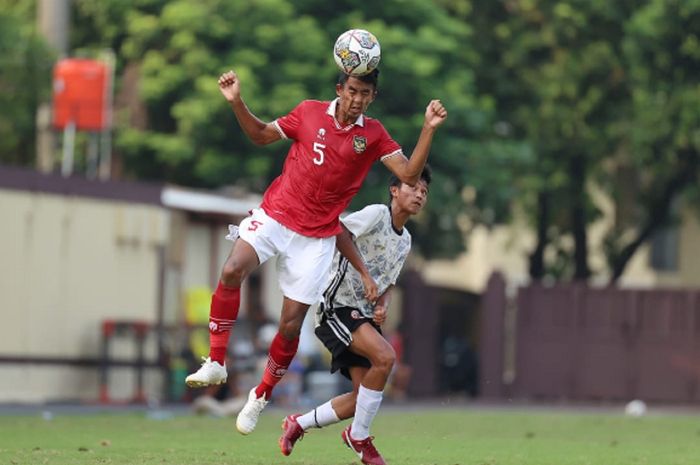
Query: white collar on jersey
column 331, row 111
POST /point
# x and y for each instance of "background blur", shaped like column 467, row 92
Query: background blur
column 557, row 258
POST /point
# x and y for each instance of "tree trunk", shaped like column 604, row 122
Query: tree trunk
column 686, row 173
column 579, row 223
column 537, row 256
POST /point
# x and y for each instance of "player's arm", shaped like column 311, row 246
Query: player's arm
column 382, row 305
column 408, row 170
column 347, row 247
column 258, row 131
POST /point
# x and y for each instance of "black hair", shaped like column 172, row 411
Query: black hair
column 370, row 78
column 426, row 176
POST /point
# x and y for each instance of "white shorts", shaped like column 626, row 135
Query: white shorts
column 303, row 263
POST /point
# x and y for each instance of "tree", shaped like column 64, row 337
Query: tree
column 25, row 80
column 178, row 128
column 546, row 99
column 662, row 56
column 558, row 76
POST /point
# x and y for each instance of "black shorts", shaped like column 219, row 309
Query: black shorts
column 335, row 331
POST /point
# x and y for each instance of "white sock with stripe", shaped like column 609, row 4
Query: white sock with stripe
column 321, row 416
column 368, row 402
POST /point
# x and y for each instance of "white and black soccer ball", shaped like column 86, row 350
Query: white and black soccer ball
column 357, row 52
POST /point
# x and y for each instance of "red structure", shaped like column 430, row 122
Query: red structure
column 80, row 94
column 137, row 331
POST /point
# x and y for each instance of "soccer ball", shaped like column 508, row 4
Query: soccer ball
column 357, row 52
column 636, row 408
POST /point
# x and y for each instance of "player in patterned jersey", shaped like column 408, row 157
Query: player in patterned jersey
column 349, row 325
column 334, row 146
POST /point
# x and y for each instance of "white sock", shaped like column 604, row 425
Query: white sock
column 321, row 416
column 368, row 402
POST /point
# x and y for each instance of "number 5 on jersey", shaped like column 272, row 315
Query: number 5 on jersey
column 318, row 148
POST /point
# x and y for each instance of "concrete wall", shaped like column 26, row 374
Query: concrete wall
column 67, row 263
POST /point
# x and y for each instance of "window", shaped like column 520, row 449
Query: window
column 664, row 249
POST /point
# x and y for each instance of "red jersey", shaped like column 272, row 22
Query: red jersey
column 324, row 168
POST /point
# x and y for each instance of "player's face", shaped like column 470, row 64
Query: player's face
column 412, row 198
column 355, row 96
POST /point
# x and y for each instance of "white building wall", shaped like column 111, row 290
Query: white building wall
column 507, row 248
column 68, row 263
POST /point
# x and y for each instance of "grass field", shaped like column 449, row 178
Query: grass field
column 461, row 436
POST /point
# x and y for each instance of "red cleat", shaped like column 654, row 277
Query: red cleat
column 364, row 448
column 292, row 433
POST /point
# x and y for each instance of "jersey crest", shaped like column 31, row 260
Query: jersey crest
column 359, row 144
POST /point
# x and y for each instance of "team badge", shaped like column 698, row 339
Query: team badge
column 355, row 315
column 359, row 143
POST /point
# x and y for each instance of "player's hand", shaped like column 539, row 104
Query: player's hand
column 435, row 114
column 379, row 315
column 371, row 291
column 229, row 86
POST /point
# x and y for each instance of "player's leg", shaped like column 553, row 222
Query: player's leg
column 350, row 365
column 302, row 267
column 259, row 240
column 369, row 343
column 333, row 411
column 282, row 350
column 344, row 404
column 283, row 347
column 223, row 312
column 294, row 426
column 338, row 329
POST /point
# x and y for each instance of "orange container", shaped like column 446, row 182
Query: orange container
column 80, row 91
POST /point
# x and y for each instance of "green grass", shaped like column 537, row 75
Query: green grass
column 450, row 437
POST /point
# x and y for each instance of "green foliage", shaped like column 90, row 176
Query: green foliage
column 662, row 131
column 281, row 51
column 25, row 80
column 540, row 94
column 545, row 97
column 605, row 94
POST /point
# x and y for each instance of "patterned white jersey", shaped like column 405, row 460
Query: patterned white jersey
column 384, row 251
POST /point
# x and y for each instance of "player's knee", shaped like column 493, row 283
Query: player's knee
column 292, row 319
column 290, row 329
column 232, row 274
column 385, row 359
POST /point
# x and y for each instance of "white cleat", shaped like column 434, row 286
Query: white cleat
column 210, row 373
column 248, row 416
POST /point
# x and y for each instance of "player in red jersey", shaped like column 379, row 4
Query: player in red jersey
column 334, row 146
